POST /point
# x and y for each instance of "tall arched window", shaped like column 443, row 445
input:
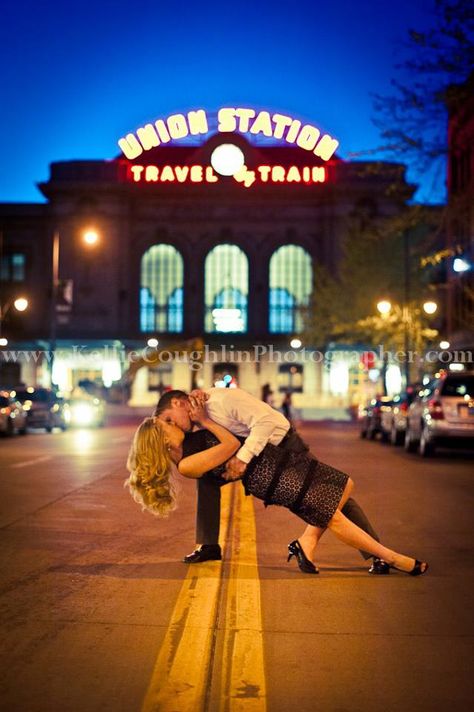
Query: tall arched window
column 226, row 289
column 291, row 282
column 161, row 290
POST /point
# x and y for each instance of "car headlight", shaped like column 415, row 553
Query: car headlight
column 82, row 414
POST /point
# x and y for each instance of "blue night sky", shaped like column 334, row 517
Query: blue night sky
column 77, row 76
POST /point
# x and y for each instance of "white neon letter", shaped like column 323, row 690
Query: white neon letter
column 181, row 173
column 196, row 174
column 210, row 175
column 278, row 174
column 293, row 175
column 308, row 137
column 281, row 122
column 264, row 173
column 136, row 172
column 162, row 131
column 151, row 174
column 293, row 131
column 319, row 174
column 167, row 174
column 130, row 146
column 177, row 126
column 326, row 147
column 148, row 137
column 226, row 119
column 197, row 122
column 244, row 115
column 262, row 124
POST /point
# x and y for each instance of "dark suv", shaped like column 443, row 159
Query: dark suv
column 44, row 408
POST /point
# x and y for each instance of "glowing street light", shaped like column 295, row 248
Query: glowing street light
column 444, row 345
column 460, row 264
column 296, row 343
column 430, row 307
column 384, row 307
column 21, row 304
column 152, row 343
column 90, row 237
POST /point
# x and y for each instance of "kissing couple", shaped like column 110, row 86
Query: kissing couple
column 221, row 435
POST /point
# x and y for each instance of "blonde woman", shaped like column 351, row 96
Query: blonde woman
column 314, row 491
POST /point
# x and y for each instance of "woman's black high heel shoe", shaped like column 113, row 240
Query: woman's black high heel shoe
column 416, row 570
column 305, row 565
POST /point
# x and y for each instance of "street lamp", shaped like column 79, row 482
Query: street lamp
column 90, row 237
column 430, row 307
column 20, row 304
column 384, row 307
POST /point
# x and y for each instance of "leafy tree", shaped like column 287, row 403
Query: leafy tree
column 436, row 62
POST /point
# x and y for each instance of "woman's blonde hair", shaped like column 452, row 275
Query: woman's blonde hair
column 150, row 466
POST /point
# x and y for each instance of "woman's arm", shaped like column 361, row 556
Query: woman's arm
column 196, row 465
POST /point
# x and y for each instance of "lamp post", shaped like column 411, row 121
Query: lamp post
column 90, row 237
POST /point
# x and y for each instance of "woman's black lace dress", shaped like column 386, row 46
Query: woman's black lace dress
column 295, row 480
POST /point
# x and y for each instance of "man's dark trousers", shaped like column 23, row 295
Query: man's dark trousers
column 209, row 502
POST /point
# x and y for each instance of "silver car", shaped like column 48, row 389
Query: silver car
column 393, row 419
column 442, row 414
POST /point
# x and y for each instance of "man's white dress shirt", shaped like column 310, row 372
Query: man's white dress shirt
column 248, row 417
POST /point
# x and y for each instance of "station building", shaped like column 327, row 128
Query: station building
column 196, row 260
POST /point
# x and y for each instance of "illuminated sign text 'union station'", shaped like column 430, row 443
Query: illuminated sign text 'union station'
column 242, row 120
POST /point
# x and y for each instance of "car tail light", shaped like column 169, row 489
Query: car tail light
column 6, row 411
column 435, row 409
column 403, row 407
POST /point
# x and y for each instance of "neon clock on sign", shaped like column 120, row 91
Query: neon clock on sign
column 230, row 120
column 307, row 175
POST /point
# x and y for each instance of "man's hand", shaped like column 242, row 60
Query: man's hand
column 199, row 395
column 235, row 469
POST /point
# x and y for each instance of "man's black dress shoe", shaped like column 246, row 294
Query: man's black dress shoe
column 205, row 552
column 379, row 567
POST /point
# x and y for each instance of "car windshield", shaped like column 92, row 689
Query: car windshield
column 459, row 386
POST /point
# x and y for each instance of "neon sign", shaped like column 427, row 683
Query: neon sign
column 308, row 175
column 195, row 123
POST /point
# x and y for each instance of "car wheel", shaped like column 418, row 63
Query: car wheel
column 410, row 444
column 10, row 428
column 426, row 447
column 49, row 428
column 363, row 434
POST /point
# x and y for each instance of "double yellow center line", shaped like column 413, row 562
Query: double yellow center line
column 212, row 653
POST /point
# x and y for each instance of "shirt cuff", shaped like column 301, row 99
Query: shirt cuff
column 244, row 454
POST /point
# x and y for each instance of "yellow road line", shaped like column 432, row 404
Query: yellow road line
column 182, row 676
column 182, row 670
column 243, row 673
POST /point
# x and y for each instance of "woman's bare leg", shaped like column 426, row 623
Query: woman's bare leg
column 352, row 535
column 311, row 535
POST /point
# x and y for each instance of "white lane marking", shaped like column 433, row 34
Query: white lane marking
column 35, row 461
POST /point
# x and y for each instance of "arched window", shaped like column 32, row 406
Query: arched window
column 291, row 282
column 226, row 289
column 161, row 292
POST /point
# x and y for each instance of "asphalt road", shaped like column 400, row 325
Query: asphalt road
column 98, row 613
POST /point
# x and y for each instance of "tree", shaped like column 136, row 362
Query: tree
column 380, row 258
column 437, row 61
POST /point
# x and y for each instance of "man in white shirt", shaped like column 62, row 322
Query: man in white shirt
column 257, row 422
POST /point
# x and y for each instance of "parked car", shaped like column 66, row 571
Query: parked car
column 393, row 419
column 442, row 414
column 87, row 411
column 12, row 414
column 370, row 416
column 44, row 408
